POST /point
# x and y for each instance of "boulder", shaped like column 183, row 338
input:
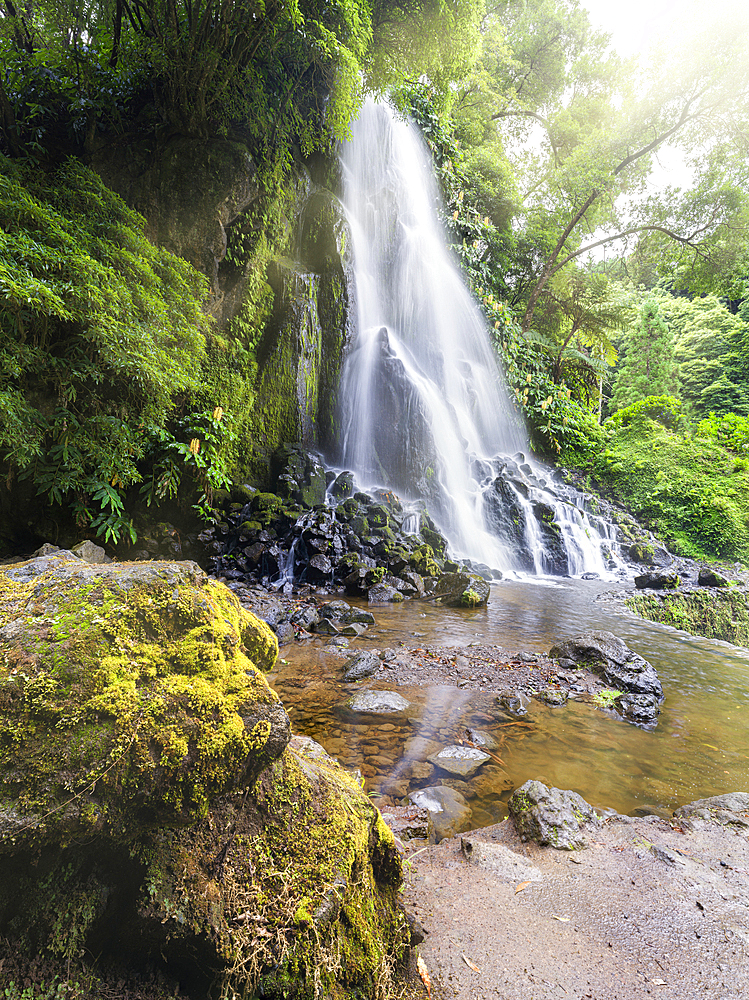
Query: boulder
column 466, row 590
column 460, row 761
column 550, row 816
column 620, row 668
column 151, row 795
column 378, row 703
column 381, row 593
column 731, row 809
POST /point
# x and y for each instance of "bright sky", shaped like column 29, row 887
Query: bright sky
column 633, row 23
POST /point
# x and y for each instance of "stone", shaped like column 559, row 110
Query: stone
column 551, row 816
column 710, row 578
column 553, row 696
column 449, row 813
column 515, row 703
column 306, row 617
column 620, row 668
column 466, row 590
column 362, row 665
column 378, row 703
column 89, row 552
column 731, row 809
column 407, row 822
column 657, row 581
column 382, row 594
column 461, row 761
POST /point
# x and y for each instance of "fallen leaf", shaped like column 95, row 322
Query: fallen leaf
column 658, row 982
column 470, row 964
column 523, row 885
column 421, row 967
column 710, row 745
column 564, row 920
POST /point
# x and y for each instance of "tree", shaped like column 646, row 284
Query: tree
column 648, row 367
column 601, row 126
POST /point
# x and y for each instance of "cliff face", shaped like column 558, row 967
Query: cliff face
column 279, row 267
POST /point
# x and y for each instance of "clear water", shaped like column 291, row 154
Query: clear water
column 700, row 746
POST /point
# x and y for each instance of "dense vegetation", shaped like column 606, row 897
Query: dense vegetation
column 600, row 290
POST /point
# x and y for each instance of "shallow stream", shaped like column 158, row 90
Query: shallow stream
column 700, row 746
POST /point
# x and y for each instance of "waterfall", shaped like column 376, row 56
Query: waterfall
column 425, row 409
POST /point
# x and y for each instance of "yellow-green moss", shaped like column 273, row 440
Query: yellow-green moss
column 122, row 685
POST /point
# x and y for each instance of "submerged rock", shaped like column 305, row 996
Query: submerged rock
column 551, row 816
column 378, row 703
column 461, row 761
column 622, row 669
column 362, row 665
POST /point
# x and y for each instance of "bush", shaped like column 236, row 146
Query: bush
column 100, row 331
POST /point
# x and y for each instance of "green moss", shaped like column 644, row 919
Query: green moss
column 715, row 614
column 607, row 697
column 470, row 599
column 146, row 695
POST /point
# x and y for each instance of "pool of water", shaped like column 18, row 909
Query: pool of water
column 700, row 746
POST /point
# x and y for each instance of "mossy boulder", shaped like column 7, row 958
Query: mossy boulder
column 466, row 590
column 137, row 688
column 152, row 808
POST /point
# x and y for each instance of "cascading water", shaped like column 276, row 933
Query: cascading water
column 425, row 407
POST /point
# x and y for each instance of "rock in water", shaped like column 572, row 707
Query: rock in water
column 550, row 816
column 466, row 590
column 610, row 657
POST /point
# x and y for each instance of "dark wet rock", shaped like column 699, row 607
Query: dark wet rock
column 467, row 590
column 555, row 559
column 657, row 581
column 381, row 593
column 378, row 703
column 515, row 703
column 306, row 617
column 731, row 809
column 449, row 813
column 591, row 576
column 711, row 578
column 551, row 816
column 320, row 566
column 553, row 696
column 327, row 626
column 362, row 665
column 622, row 669
column 343, row 487
column 284, row 631
column 461, row 761
column 410, row 576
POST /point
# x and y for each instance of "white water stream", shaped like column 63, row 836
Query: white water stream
column 425, row 405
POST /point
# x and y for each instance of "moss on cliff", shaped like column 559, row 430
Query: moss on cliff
column 715, row 614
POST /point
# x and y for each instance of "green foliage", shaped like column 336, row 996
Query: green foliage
column 99, row 332
column 728, row 429
column 686, row 487
column 648, row 368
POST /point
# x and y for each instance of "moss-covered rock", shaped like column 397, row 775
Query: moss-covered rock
column 151, row 806
column 127, row 690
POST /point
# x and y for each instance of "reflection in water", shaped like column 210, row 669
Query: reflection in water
column 700, row 747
